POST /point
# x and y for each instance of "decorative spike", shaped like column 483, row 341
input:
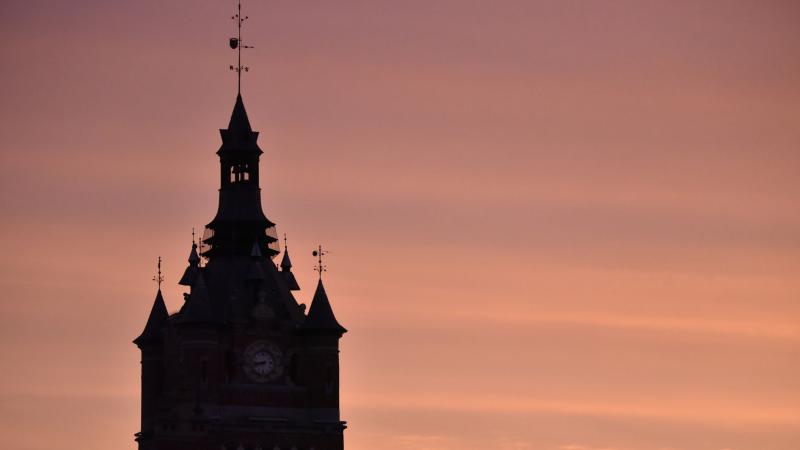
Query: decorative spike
column 286, row 267
column 158, row 278
column 193, row 269
column 320, row 267
column 237, row 44
column 286, row 263
column 194, row 258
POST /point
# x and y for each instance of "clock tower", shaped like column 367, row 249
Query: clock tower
column 241, row 365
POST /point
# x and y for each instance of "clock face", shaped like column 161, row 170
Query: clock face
column 262, row 361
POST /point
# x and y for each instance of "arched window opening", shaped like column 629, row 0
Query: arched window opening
column 240, row 173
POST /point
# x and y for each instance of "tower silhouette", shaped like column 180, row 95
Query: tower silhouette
column 240, row 366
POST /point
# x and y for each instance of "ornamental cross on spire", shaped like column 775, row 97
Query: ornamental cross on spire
column 158, row 278
column 319, row 253
column 237, row 44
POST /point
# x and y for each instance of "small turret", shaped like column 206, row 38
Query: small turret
column 193, row 269
column 320, row 317
column 286, row 268
column 154, row 328
column 151, row 343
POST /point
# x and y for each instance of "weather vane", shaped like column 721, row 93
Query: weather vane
column 158, row 278
column 236, row 44
column 320, row 267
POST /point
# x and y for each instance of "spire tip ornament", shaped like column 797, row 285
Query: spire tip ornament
column 319, row 253
column 237, row 44
column 158, row 278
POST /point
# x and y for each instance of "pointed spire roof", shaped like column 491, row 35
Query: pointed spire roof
column 155, row 323
column 286, row 268
column 239, row 136
column 194, row 258
column 286, row 263
column 239, row 120
column 320, row 315
column 286, row 271
column 193, row 269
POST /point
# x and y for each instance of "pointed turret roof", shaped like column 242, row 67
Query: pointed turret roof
column 193, row 269
column 239, row 136
column 194, row 258
column 239, row 120
column 286, row 271
column 286, row 263
column 155, row 323
column 320, row 315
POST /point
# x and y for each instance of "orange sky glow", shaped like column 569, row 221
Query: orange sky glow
column 553, row 225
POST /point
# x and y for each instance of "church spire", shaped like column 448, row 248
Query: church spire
column 240, row 329
column 240, row 219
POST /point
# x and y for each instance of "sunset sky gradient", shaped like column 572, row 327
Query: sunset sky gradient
column 556, row 225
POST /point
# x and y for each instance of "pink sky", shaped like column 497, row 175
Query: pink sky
column 562, row 225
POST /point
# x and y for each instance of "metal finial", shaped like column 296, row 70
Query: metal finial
column 320, row 267
column 199, row 247
column 285, row 243
column 236, row 44
column 158, row 278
